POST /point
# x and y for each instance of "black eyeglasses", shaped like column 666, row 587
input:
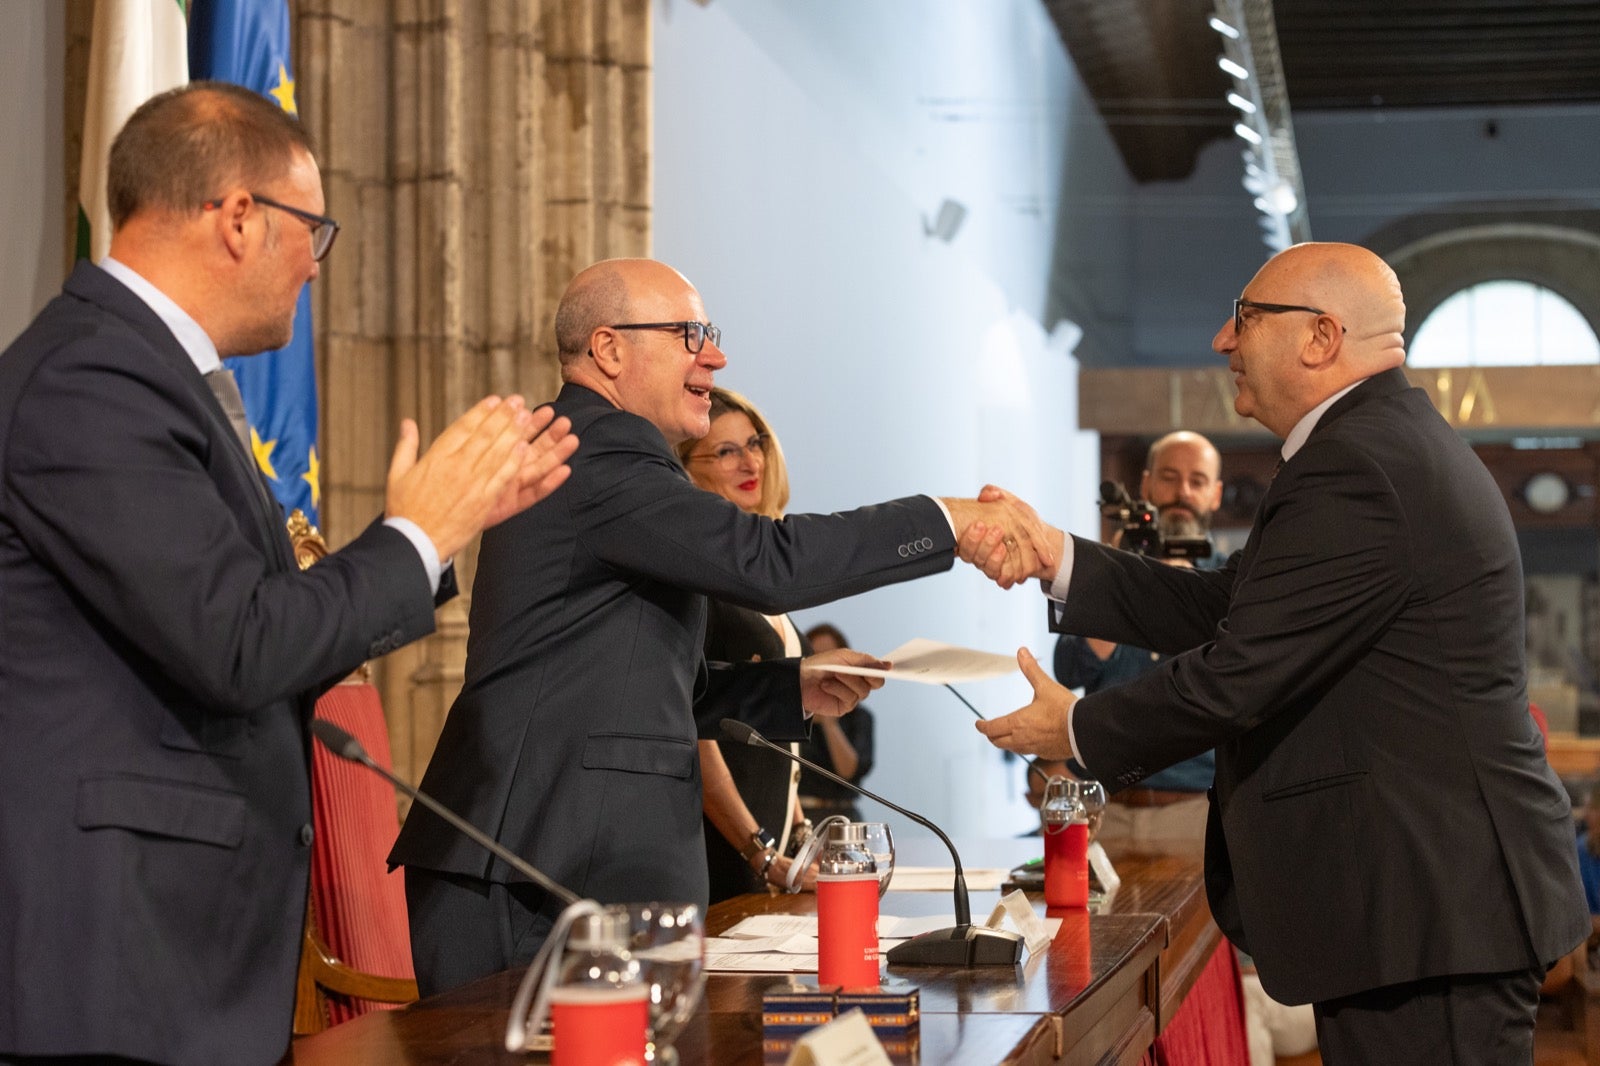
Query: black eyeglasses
column 729, row 455
column 1271, row 309
column 694, row 333
column 323, row 228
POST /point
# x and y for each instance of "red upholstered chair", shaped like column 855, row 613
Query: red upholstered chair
column 357, row 951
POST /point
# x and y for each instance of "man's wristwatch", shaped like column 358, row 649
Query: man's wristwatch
column 759, row 843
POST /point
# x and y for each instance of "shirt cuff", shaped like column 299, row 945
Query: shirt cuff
column 1058, row 588
column 954, row 532
column 425, row 549
column 1072, row 738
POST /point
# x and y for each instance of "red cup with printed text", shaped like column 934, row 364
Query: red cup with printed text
column 847, row 910
column 1065, row 827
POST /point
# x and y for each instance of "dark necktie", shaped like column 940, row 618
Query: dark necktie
column 226, row 390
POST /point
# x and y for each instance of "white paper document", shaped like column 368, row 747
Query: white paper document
column 933, row 663
column 943, row 878
column 787, row 943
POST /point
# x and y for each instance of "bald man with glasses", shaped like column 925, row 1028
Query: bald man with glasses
column 1385, row 837
column 574, row 738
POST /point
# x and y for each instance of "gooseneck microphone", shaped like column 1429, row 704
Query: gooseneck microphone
column 348, row 747
column 963, row 944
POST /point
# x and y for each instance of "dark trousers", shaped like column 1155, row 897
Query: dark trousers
column 1456, row 1020
column 463, row 928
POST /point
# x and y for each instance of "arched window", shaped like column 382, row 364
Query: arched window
column 1504, row 323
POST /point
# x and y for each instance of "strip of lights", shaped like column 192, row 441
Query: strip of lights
column 1249, row 40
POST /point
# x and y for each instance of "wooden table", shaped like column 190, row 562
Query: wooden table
column 1100, row 994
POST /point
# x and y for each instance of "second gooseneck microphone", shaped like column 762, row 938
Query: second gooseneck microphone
column 963, row 944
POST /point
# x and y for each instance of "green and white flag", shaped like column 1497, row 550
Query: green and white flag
column 139, row 48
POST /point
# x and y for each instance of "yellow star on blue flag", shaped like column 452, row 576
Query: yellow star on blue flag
column 247, row 42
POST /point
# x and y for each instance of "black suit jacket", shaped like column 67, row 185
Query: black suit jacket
column 573, row 740
column 159, row 653
column 1383, row 810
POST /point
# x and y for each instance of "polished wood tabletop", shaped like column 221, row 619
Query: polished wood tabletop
column 1101, row 992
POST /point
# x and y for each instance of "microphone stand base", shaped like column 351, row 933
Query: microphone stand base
column 960, row 945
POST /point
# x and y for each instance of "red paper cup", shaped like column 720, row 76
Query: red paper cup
column 1066, row 866
column 847, row 930
column 599, row 1026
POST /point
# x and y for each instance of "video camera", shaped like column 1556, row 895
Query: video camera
column 1142, row 531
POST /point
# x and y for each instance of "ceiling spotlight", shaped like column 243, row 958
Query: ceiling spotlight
column 1241, row 103
column 1247, row 133
column 1282, row 198
column 1223, row 28
column 1233, row 68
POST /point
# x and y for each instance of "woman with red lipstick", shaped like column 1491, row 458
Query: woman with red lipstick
column 744, row 789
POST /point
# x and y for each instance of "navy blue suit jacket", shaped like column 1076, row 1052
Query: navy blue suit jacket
column 573, row 740
column 159, row 655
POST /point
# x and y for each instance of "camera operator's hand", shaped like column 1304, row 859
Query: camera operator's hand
column 1025, row 546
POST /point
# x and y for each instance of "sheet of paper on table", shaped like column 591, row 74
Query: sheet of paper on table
column 943, row 878
column 787, row 943
column 933, row 663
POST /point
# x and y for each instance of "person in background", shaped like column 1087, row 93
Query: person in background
column 1182, row 480
column 843, row 745
column 745, row 789
column 1589, row 856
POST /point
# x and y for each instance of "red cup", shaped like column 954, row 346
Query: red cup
column 599, row 1026
column 1066, row 865
column 847, row 930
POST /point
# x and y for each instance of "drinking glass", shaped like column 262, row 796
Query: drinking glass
column 880, row 844
column 1092, row 794
column 668, row 940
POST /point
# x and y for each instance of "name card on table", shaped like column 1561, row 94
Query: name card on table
column 846, row 1041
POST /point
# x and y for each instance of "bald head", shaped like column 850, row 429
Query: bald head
column 621, row 330
column 1351, row 282
column 1183, row 477
column 612, row 291
column 1341, row 318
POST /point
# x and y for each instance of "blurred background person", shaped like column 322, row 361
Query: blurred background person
column 844, row 746
column 1182, row 480
column 745, row 789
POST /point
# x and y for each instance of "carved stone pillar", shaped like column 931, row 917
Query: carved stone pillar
column 478, row 153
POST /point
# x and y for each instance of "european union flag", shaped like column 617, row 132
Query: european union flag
column 247, row 42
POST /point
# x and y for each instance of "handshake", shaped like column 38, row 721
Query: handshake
column 1005, row 538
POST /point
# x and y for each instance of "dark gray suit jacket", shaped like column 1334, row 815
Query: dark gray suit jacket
column 1383, row 810
column 573, row 740
column 159, row 654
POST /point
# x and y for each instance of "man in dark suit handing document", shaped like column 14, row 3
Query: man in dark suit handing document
column 159, row 649
column 1385, row 836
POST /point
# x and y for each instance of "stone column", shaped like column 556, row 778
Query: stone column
column 478, row 153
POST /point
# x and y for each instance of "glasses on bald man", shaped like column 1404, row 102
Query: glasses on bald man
column 694, row 333
column 1271, row 309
